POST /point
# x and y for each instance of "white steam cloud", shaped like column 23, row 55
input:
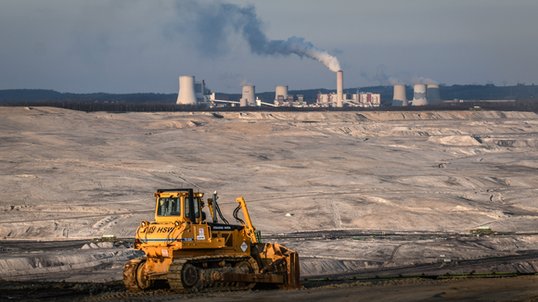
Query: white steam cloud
column 209, row 24
column 381, row 77
column 423, row 80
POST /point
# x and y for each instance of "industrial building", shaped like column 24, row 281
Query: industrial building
column 359, row 99
column 367, row 99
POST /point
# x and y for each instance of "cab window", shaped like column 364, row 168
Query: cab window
column 188, row 209
column 168, row 206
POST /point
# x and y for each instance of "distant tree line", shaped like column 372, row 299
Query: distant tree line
column 26, row 97
column 167, row 107
column 36, row 96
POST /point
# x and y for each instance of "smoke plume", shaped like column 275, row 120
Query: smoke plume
column 210, row 23
column 423, row 80
column 380, row 77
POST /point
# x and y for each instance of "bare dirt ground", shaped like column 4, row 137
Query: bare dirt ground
column 357, row 194
column 523, row 288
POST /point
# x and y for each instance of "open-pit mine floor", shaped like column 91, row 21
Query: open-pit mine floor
column 378, row 204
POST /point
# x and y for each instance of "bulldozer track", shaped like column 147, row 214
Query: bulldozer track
column 193, row 275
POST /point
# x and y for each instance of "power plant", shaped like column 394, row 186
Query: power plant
column 194, row 93
column 252, row 31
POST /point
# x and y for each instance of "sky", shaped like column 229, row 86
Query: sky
column 129, row 46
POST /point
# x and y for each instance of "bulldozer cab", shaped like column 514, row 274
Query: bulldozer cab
column 181, row 205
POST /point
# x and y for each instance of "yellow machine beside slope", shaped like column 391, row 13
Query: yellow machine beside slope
column 193, row 254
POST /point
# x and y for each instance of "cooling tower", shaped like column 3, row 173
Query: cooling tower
column 419, row 95
column 248, row 97
column 186, row 95
column 399, row 98
column 281, row 93
column 339, row 88
column 432, row 94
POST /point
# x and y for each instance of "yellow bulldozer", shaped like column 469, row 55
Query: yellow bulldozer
column 192, row 252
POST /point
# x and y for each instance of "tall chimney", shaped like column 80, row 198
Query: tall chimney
column 339, row 88
column 186, row 95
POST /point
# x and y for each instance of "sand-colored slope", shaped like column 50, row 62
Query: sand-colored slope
column 70, row 174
